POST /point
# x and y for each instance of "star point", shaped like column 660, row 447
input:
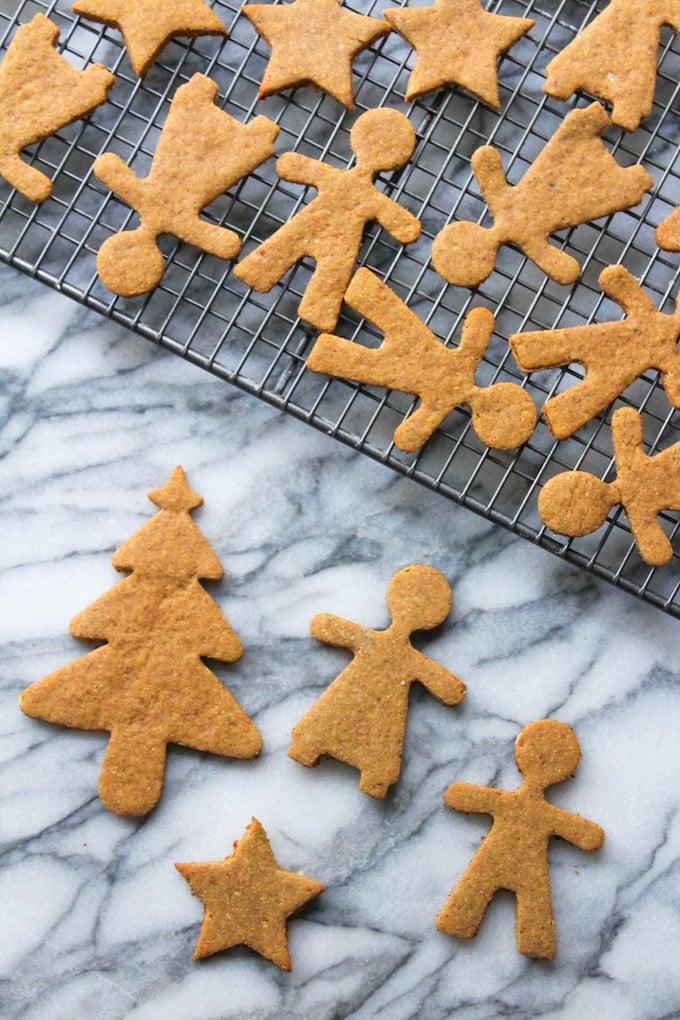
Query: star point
column 248, row 899
column 147, row 25
column 457, row 42
column 313, row 42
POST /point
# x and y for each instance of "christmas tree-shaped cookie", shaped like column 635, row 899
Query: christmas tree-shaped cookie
column 412, row 359
column 612, row 353
column 361, row 718
column 148, row 686
column 614, row 58
column 39, row 93
column 202, row 151
column 573, row 180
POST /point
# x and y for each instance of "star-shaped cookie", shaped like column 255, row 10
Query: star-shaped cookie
column 248, row 898
column 147, row 25
column 313, row 42
column 457, row 42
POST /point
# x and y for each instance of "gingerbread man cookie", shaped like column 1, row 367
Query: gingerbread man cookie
column 414, row 360
column 201, row 152
column 614, row 354
column 614, row 58
column 330, row 229
column 576, row 502
column 514, row 854
column 573, row 180
column 39, row 93
column 361, row 718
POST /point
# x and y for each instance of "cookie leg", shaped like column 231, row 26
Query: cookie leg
column 535, row 922
column 325, row 291
column 462, row 913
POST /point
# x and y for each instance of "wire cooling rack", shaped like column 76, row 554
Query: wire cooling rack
column 203, row 313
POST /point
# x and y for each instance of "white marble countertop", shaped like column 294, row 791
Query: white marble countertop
column 96, row 921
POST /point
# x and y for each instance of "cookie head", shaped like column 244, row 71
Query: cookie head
column 503, row 415
column 575, row 503
column 547, row 752
column 130, row 263
column 419, row 597
column 464, row 253
column 382, row 139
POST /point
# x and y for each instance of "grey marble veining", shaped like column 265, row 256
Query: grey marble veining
column 97, row 923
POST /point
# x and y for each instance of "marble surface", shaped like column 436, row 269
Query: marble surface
column 96, row 921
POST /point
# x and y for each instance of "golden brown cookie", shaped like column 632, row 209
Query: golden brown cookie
column 614, row 58
column 457, row 42
column 330, row 229
column 148, row 685
column 412, row 359
column 612, row 353
column 201, row 152
column 514, row 854
column 573, row 180
column 248, row 899
column 576, row 502
column 668, row 232
column 361, row 718
column 39, row 93
column 313, row 42
column 148, row 25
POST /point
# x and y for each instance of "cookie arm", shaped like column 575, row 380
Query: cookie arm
column 473, row 799
column 578, row 831
column 620, row 286
column 554, row 262
column 401, row 223
column 299, row 169
column 445, row 686
column 333, row 630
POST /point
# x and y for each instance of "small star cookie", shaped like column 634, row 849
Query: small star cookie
column 457, row 42
column 147, row 25
column 248, row 898
column 313, row 42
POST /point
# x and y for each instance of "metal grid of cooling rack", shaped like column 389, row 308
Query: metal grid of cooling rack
column 202, row 312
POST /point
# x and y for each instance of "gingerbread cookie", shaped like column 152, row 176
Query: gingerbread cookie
column 573, row 180
column 614, row 354
column 201, row 152
column 330, row 229
column 514, row 854
column 248, row 899
column 148, row 685
column 148, row 25
column 457, row 42
column 361, row 718
column 313, row 42
column 39, row 93
column 412, row 359
column 576, row 502
column 668, row 232
column 614, row 58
